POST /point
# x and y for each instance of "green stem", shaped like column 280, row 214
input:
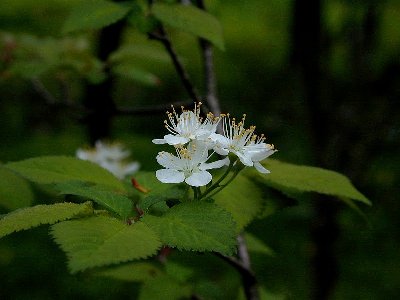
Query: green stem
column 221, row 187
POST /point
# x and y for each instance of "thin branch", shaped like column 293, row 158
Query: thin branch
column 162, row 36
column 43, row 91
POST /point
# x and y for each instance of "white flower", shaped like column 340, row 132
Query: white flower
column 111, row 157
column 188, row 126
column 242, row 142
column 189, row 165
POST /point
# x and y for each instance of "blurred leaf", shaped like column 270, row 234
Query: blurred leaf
column 179, row 272
column 256, row 245
column 134, row 73
column 136, row 272
column 15, row 191
column 289, row 177
column 264, row 295
column 99, row 241
column 140, row 52
column 164, row 287
column 103, row 195
column 29, row 217
column 197, row 226
column 191, row 19
column 243, row 199
column 96, row 14
column 56, row 169
column 29, row 69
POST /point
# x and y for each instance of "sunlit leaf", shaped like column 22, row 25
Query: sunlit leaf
column 197, row 226
column 102, row 240
column 29, row 217
column 191, row 19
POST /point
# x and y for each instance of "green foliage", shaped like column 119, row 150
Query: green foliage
column 102, row 240
column 103, row 195
column 191, row 19
column 136, row 272
column 235, row 199
column 197, row 226
column 15, row 192
column 137, row 74
column 256, row 245
column 293, row 178
column 29, row 217
column 164, row 287
column 56, row 169
column 94, row 14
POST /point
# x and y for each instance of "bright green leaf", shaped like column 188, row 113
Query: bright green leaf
column 94, row 14
column 191, row 19
column 15, row 191
column 197, row 226
column 101, row 194
column 136, row 272
column 285, row 176
column 29, row 217
column 100, row 241
column 243, row 199
column 164, row 287
column 256, row 245
column 56, row 169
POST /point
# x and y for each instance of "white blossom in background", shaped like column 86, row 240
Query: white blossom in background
column 188, row 126
column 111, row 156
column 190, row 165
column 247, row 146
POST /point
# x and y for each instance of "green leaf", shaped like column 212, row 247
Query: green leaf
column 94, row 15
column 100, row 241
column 170, row 192
column 135, row 272
column 29, row 217
column 56, row 169
column 136, row 74
column 15, row 191
column 197, row 226
column 264, row 295
column 243, row 199
column 103, row 195
column 286, row 177
column 256, row 245
column 164, row 287
column 191, row 19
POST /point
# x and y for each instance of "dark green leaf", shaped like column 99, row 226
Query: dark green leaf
column 137, row 271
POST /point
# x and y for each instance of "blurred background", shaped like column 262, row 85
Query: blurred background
column 320, row 78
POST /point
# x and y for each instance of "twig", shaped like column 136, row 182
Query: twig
column 162, row 36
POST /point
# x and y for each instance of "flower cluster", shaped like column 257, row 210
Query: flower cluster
column 111, row 157
column 195, row 140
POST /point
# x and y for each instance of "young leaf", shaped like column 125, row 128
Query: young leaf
column 285, row 176
column 94, row 15
column 256, row 245
column 55, row 169
column 191, row 19
column 29, row 217
column 197, row 226
column 103, row 195
column 135, row 272
column 15, row 191
column 101, row 240
column 243, row 199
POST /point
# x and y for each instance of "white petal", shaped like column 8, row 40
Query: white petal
column 215, row 165
column 199, row 178
column 245, row 159
column 159, row 141
column 170, row 176
column 167, row 160
column 131, row 168
column 175, row 139
column 260, row 168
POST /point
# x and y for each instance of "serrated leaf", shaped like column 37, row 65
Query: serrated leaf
column 243, row 199
column 256, row 245
column 170, row 192
column 197, row 226
column 164, row 287
column 103, row 195
column 288, row 177
column 190, row 19
column 94, row 15
column 100, row 241
column 15, row 191
column 56, row 169
column 134, row 272
column 29, row 217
